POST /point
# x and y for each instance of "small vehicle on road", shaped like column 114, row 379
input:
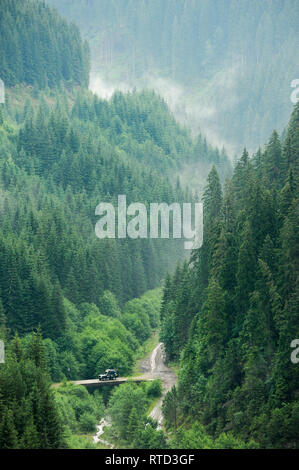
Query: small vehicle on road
column 110, row 374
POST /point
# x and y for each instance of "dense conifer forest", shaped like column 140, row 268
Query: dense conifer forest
column 220, row 62
column 39, row 48
column 231, row 313
column 72, row 304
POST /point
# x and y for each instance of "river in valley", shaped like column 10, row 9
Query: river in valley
column 153, row 367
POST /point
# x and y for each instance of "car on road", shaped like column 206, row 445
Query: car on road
column 110, row 374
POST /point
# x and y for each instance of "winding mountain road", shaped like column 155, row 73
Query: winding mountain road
column 154, row 367
column 151, row 368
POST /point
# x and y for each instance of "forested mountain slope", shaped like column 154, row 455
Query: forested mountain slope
column 68, row 300
column 72, row 304
column 231, row 315
column 39, row 48
column 55, row 169
column 218, row 62
column 62, row 152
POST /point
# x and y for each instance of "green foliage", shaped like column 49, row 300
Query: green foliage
column 62, row 151
column 230, row 62
column 127, row 407
column 241, row 300
column 197, row 438
column 155, row 389
column 170, row 408
column 194, row 438
column 28, row 413
column 47, row 226
column 136, row 320
column 39, row 48
column 126, row 402
column 80, row 442
column 87, row 422
column 79, row 410
column 149, row 437
column 108, row 305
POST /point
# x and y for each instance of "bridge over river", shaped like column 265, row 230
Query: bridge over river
column 99, row 383
column 151, row 368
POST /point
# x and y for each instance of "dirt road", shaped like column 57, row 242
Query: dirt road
column 154, row 367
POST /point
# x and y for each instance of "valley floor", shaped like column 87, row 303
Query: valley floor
column 152, row 367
